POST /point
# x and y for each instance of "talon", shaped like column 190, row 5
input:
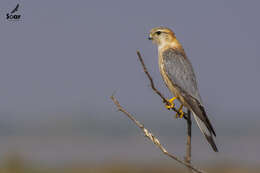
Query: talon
column 181, row 112
column 171, row 103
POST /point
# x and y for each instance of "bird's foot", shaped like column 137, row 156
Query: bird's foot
column 180, row 112
column 170, row 103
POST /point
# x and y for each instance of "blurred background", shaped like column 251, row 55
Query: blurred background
column 60, row 63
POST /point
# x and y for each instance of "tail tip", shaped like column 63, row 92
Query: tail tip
column 212, row 143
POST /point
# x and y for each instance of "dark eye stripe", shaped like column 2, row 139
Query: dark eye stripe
column 158, row 32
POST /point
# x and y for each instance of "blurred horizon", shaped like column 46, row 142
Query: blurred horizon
column 52, row 139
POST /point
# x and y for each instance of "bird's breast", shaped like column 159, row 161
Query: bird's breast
column 166, row 79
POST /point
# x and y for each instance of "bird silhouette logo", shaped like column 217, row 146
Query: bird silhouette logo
column 12, row 16
column 15, row 9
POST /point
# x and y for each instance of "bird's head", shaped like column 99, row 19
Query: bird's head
column 163, row 36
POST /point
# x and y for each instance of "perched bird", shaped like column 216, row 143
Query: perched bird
column 179, row 77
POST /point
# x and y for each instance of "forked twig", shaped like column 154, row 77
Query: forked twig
column 187, row 115
column 150, row 136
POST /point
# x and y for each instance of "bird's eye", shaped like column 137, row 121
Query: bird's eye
column 158, row 32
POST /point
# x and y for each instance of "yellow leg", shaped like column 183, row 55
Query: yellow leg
column 180, row 111
column 171, row 103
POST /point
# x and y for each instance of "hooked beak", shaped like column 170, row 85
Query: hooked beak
column 150, row 37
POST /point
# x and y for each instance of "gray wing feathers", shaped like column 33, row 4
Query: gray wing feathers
column 179, row 70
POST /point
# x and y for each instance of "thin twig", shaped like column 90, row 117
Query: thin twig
column 150, row 136
column 153, row 86
column 188, row 144
column 187, row 115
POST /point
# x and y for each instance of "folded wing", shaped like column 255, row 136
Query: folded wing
column 179, row 70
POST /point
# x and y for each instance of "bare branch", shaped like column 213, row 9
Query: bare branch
column 151, row 79
column 188, row 144
column 153, row 87
column 150, row 136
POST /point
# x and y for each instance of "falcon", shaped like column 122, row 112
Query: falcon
column 178, row 75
